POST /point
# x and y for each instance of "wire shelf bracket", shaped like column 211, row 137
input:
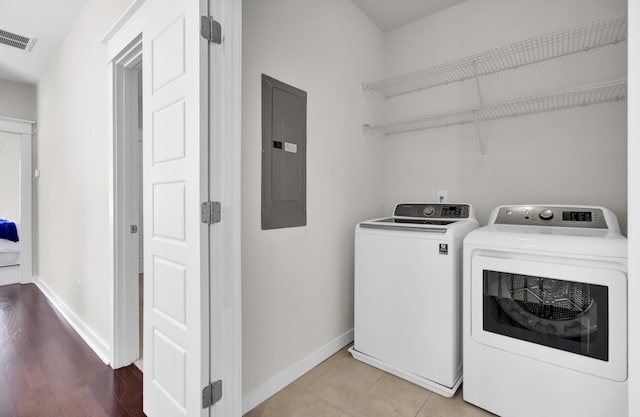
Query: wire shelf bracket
column 483, row 153
column 598, row 33
column 587, row 95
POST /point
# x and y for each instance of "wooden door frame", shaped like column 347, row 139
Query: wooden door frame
column 225, row 314
column 25, row 129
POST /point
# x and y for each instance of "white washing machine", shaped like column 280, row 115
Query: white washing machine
column 545, row 313
column 407, row 293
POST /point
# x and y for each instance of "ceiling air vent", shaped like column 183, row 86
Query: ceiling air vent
column 15, row 40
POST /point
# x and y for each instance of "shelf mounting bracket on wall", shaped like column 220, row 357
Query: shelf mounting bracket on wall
column 483, row 153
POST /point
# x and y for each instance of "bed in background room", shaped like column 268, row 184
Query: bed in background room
column 9, row 252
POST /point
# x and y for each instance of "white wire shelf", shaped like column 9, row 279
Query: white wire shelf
column 587, row 95
column 606, row 31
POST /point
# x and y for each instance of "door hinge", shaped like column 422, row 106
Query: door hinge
column 210, row 29
column 211, row 212
column 211, row 394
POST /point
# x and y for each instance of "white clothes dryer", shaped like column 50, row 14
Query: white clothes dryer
column 408, row 277
column 545, row 313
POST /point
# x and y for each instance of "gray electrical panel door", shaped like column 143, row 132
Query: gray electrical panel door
column 284, row 155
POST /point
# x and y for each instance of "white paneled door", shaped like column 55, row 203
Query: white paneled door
column 176, row 295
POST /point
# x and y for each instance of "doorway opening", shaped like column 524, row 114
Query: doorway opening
column 128, row 207
column 9, row 208
column 15, row 199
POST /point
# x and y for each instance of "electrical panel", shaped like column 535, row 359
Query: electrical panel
column 284, row 155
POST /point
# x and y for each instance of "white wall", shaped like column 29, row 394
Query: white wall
column 18, row 100
column 9, row 176
column 71, row 222
column 634, row 208
column 297, row 283
column 575, row 156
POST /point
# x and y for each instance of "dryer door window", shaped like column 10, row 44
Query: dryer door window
column 561, row 314
column 571, row 313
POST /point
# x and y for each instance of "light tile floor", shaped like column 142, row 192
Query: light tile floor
column 344, row 387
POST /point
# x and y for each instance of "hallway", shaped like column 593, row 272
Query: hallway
column 47, row 370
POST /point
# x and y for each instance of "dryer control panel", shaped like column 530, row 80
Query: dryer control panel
column 558, row 216
column 432, row 210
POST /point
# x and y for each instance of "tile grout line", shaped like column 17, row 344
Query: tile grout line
column 431, row 393
column 323, row 400
column 370, row 385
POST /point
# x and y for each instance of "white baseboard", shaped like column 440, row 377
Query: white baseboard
column 255, row 397
column 95, row 342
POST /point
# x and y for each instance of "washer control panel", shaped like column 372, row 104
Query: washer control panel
column 433, row 210
column 558, row 216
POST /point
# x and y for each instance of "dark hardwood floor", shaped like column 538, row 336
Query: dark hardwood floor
column 47, row 370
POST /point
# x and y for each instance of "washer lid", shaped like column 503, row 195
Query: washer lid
column 406, row 223
column 414, row 221
column 427, row 217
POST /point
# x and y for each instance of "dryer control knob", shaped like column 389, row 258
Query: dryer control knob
column 546, row 214
column 428, row 211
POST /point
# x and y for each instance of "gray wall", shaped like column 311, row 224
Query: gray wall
column 18, row 100
column 10, row 176
column 634, row 207
column 574, row 156
column 297, row 288
column 72, row 218
column 297, row 283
